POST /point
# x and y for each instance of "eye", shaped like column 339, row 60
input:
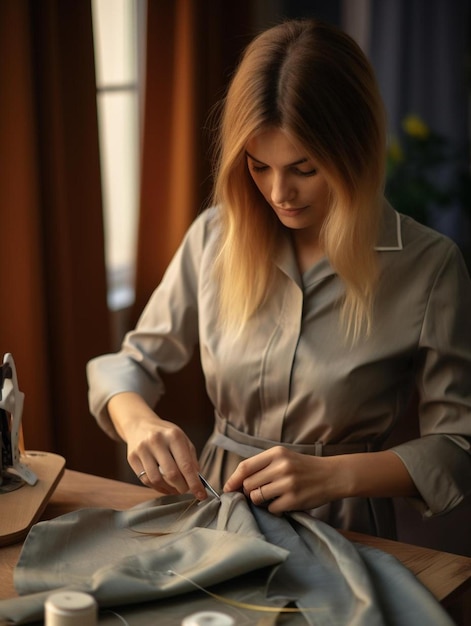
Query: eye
column 257, row 168
column 311, row 172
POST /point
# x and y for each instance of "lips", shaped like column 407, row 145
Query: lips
column 290, row 212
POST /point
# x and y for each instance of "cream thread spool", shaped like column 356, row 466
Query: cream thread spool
column 70, row 608
column 208, row 618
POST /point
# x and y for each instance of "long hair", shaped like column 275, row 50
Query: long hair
column 314, row 82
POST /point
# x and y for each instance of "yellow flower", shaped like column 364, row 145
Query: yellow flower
column 395, row 151
column 415, row 127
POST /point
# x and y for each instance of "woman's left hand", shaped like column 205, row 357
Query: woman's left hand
column 286, row 480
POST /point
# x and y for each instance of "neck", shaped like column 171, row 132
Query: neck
column 308, row 250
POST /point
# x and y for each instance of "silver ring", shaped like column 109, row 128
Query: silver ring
column 141, row 473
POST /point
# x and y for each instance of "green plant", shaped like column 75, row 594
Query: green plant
column 424, row 171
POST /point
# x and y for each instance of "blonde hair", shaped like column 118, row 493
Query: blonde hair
column 313, row 81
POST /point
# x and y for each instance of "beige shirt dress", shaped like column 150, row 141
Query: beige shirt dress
column 290, row 377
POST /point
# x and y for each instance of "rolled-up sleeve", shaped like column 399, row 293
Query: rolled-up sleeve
column 163, row 340
column 440, row 461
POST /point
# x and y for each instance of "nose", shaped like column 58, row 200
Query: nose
column 282, row 191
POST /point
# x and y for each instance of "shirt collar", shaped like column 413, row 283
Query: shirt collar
column 389, row 239
column 285, row 259
column 390, row 236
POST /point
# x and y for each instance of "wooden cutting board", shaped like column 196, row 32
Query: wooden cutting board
column 21, row 508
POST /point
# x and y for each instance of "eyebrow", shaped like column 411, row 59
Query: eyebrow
column 303, row 160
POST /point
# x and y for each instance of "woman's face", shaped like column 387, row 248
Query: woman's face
column 289, row 180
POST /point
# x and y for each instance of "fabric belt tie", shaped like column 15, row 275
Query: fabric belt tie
column 229, row 438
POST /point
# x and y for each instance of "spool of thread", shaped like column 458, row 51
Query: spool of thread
column 208, row 618
column 70, row 608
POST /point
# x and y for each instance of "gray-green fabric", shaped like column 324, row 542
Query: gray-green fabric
column 228, row 547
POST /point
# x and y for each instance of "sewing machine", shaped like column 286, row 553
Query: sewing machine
column 27, row 479
column 14, row 473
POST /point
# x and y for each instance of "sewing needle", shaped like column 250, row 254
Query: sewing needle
column 208, row 486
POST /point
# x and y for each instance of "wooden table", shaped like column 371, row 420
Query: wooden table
column 448, row 576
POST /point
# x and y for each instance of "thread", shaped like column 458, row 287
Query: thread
column 219, row 598
column 120, row 617
column 70, row 608
column 246, row 605
column 208, row 618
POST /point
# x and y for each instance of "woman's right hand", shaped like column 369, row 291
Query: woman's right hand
column 155, row 446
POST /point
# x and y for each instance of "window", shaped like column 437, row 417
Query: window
column 118, row 35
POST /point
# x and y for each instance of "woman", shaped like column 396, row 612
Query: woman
column 316, row 306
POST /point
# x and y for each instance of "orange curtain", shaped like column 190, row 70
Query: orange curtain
column 192, row 47
column 53, row 314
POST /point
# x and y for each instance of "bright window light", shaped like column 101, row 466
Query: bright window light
column 116, row 27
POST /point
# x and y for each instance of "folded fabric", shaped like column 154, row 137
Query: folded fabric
column 164, row 557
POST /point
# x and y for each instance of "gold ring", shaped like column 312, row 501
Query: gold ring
column 261, row 495
column 141, row 473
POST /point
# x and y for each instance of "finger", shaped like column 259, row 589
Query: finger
column 184, row 455
column 171, row 473
column 151, row 477
column 245, row 475
column 260, row 495
column 142, row 475
column 146, row 460
column 197, row 489
column 180, row 469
